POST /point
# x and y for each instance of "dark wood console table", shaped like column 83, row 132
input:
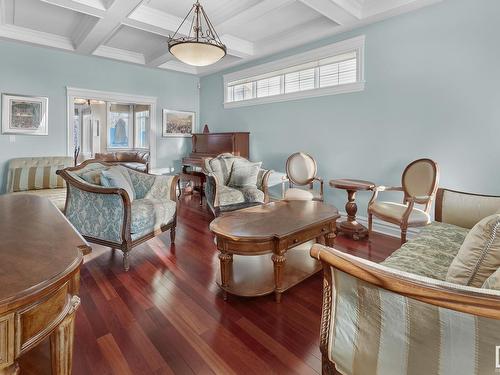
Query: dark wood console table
column 41, row 254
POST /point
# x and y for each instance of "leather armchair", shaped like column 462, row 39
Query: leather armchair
column 138, row 160
column 419, row 185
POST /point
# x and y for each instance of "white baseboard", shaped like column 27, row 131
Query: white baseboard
column 383, row 226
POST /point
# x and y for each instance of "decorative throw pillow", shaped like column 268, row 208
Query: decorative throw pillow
column 479, row 255
column 244, row 174
column 118, row 176
column 92, row 177
column 493, row 282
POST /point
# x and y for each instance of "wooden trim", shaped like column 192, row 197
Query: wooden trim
column 469, row 302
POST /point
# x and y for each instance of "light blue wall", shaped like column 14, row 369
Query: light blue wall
column 432, row 90
column 44, row 72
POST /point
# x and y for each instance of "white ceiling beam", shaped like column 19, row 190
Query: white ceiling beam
column 6, row 12
column 332, row 10
column 161, row 23
column 35, row 37
column 251, row 14
column 178, row 66
column 107, row 25
column 159, row 58
column 95, row 9
column 120, row 54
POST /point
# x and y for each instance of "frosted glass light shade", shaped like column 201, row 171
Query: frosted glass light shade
column 197, row 53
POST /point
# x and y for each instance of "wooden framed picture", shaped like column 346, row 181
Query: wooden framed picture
column 178, row 123
column 24, row 114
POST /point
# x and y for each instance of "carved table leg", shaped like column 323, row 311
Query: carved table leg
column 351, row 227
column 11, row 370
column 225, row 264
column 278, row 262
column 61, row 342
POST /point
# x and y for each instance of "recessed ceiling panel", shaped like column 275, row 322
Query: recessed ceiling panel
column 135, row 40
column 217, row 10
column 275, row 22
column 40, row 16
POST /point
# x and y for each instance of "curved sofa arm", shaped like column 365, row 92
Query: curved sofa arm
column 98, row 212
column 263, row 182
column 212, row 189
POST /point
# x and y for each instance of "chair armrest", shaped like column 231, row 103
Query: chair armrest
column 321, row 185
column 380, row 188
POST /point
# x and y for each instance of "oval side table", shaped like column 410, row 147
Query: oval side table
column 351, row 227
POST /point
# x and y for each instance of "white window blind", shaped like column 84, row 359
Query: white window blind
column 323, row 74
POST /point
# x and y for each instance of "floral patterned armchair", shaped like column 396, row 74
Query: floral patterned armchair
column 108, row 216
column 221, row 196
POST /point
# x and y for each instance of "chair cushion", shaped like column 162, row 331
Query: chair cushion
column 148, row 215
column 56, row 196
column 295, row 194
column 431, row 252
column 395, row 212
column 118, row 176
column 493, row 282
column 244, row 174
column 479, row 255
column 92, row 177
column 229, row 195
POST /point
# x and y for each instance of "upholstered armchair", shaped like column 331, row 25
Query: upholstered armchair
column 110, row 216
column 419, row 184
column 301, row 170
column 224, row 195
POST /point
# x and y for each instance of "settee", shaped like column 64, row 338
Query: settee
column 401, row 316
column 37, row 175
column 110, row 216
column 138, row 160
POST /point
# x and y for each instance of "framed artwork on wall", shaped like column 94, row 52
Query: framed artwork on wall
column 24, row 114
column 178, row 123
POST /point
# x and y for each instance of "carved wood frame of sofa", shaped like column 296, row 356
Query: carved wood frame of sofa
column 385, row 299
column 126, row 243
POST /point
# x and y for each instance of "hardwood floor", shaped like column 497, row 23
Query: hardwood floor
column 167, row 316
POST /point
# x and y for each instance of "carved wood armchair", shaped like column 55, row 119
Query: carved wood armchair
column 301, row 170
column 110, row 217
column 419, row 184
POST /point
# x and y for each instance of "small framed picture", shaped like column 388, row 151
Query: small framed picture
column 24, row 115
column 178, row 123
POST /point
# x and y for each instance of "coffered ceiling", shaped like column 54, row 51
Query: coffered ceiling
column 136, row 31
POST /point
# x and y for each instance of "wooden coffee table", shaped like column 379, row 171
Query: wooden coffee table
column 263, row 238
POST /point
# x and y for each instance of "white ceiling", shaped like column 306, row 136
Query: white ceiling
column 136, row 31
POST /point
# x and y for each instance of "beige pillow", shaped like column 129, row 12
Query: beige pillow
column 493, row 282
column 479, row 255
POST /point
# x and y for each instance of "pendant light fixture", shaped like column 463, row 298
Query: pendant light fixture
column 202, row 46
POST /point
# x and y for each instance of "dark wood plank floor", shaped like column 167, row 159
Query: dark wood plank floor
column 167, row 316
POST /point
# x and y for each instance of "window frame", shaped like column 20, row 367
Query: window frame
column 356, row 44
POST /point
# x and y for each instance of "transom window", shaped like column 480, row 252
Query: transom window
column 325, row 71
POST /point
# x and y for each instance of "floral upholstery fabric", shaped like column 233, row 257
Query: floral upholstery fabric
column 221, row 167
column 229, row 196
column 141, row 182
column 431, row 252
column 96, row 215
column 149, row 215
column 101, row 216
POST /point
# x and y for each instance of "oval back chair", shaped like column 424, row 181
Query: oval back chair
column 419, row 184
column 301, row 170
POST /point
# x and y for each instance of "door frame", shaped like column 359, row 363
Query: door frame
column 110, row 96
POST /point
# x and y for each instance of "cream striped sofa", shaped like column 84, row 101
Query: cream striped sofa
column 379, row 320
column 37, row 175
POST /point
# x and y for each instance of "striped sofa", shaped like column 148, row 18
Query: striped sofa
column 400, row 317
column 37, row 175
